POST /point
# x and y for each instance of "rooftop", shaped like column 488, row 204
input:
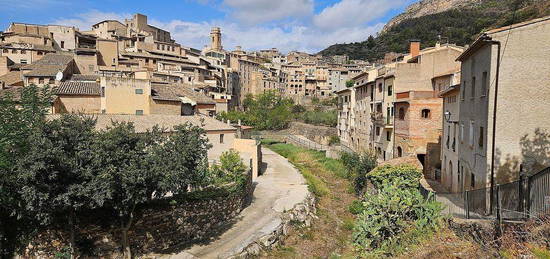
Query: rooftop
column 49, row 65
column 142, row 123
column 78, row 88
column 173, row 92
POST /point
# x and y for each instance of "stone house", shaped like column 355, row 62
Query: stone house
column 449, row 174
column 503, row 104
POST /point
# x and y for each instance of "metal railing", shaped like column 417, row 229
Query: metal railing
column 306, row 143
column 528, row 197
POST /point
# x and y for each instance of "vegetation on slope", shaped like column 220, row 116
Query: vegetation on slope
column 272, row 111
column 457, row 26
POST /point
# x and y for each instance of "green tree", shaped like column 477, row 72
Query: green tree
column 231, row 169
column 359, row 164
column 350, row 83
column 18, row 118
column 55, row 171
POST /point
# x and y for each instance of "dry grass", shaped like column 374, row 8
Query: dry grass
column 330, row 234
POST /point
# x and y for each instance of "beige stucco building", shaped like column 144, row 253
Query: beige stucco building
column 503, row 107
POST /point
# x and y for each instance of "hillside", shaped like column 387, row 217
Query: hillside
column 456, row 25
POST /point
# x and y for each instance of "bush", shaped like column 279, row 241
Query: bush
column 390, row 213
column 403, row 176
column 231, row 169
column 298, row 108
column 359, row 165
column 321, row 118
column 333, row 140
column 396, row 209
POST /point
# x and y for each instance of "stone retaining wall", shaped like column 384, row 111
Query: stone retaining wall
column 302, row 213
column 164, row 226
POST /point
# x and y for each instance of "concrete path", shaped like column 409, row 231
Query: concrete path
column 280, row 188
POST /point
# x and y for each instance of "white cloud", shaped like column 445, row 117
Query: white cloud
column 261, row 24
column 85, row 20
column 259, row 11
column 348, row 13
column 295, row 37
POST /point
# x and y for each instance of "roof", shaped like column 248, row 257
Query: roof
column 78, row 88
column 49, row 65
column 80, row 77
column 142, row 123
column 517, row 25
column 452, row 88
column 28, row 47
column 173, row 92
column 12, row 78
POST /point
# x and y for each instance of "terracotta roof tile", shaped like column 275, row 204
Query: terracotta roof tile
column 78, row 88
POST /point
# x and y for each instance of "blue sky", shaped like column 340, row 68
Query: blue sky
column 305, row 25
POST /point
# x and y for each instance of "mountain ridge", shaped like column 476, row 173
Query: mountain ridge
column 460, row 25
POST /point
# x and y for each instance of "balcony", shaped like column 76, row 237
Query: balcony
column 380, row 119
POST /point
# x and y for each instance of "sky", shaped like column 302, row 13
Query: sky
column 303, row 25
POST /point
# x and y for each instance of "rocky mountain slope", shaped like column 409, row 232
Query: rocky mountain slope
column 428, row 7
column 455, row 21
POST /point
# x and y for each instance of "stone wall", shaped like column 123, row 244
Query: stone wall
column 163, row 226
column 302, row 213
column 319, row 134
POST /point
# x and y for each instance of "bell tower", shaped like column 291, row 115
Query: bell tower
column 216, row 39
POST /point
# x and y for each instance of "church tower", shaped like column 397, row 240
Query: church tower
column 216, row 39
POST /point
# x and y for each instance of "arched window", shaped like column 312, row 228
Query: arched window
column 426, row 113
column 399, row 152
column 401, row 113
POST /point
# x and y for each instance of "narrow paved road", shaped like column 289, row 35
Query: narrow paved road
column 280, row 188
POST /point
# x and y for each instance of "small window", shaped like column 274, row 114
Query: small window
column 481, row 140
column 102, row 91
column 388, row 136
column 390, row 90
column 484, row 82
column 377, row 131
column 23, row 51
column 221, row 138
column 41, row 80
column 39, row 53
column 399, row 152
column 139, row 112
column 5, row 51
column 472, row 181
column 473, row 88
column 463, row 92
column 23, row 61
column 62, row 44
column 401, row 113
column 426, row 113
column 13, row 51
column 471, row 135
column 139, row 91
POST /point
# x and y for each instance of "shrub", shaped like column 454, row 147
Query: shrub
column 322, row 118
column 359, row 165
column 391, row 212
column 404, row 176
column 356, row 207
column 231, row 169
column 333, row 140
column 298, row 108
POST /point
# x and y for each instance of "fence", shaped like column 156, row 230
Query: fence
column 519, row 200
column 306, row 143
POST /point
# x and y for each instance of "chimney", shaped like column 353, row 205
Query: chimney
column 415, row 48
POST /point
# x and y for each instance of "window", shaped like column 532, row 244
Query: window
column 102, row 91
column 139, row 112
column 62, row 44
column 41, row 80
column 473, row 88
column 472, row 180
column 484, row 82
column 461, row 132
column 401, row 113
column 463, row 92
column 380, row 87
column 221, row 138
column 23, row 51
column 23, row 61
column 390, row 90
column 399, row 152
column 139, row 91
column 5, row 51
column 426, row 113
column 471, row 136
column 39, row 53
column 13, row 51
column 377, row 131
column 480, row 140
column 388, row 136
